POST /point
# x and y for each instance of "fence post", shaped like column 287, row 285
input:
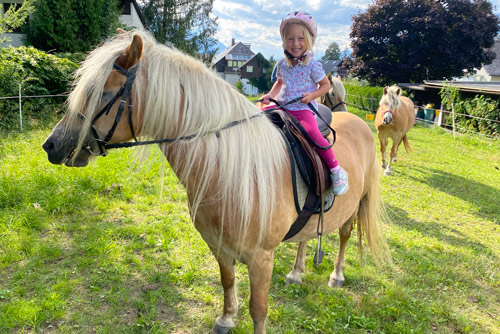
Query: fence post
column 453, row 115
column 20, row 110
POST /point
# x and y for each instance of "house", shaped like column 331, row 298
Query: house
column 239, row 62
column 131, row 16
column 333, row 67
column 489, row 72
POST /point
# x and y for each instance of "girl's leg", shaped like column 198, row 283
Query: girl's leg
column 308, row 122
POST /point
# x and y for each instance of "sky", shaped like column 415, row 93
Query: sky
column 257, row 22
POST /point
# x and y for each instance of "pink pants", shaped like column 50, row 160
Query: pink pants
column 308, row 122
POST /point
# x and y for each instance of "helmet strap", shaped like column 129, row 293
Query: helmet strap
column 292, row 58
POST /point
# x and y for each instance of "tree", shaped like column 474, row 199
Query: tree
column 71, row 25
column 414, row 40
column 186, row 24
column 14, row 17
column 332, row 52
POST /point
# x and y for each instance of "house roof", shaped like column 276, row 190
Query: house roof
column 236, row 49
column 494, row 67
column 480, row 87
column 123, row 3
column 330, row 65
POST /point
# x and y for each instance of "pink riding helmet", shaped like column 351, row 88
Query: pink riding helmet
column 300, row 17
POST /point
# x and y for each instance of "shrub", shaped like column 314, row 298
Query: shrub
column 476, row 114
column 363, row 97
column 39, row 74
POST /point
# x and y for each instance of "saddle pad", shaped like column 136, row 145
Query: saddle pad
column 300, row 191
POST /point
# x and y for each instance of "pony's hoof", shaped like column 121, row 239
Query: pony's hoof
column 387, row 173
column 335, row 283
column 221, row 330
column 292, row 280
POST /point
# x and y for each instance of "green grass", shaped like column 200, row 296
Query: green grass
column 110, row 249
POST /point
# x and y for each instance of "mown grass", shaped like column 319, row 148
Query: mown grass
column 110, row 249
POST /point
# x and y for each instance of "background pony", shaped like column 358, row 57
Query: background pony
column 230, row 158
column 395, row 117
column 334, row 99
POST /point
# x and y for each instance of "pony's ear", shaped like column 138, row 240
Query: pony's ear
column 398, row 92
column 132, row 54
column 120, row 31
column 136, row 48
column 329, row 76
column 385, row 90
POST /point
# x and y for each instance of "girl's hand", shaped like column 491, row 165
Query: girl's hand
column 265, row 98
column 307, row 97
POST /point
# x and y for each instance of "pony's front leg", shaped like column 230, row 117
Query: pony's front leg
column 383, row 147
column 337, row 277
column 225, row 323
column 260, row 270
column 299, row 266
column 393, row 155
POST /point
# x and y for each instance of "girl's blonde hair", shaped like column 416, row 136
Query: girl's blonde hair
column 307, row 38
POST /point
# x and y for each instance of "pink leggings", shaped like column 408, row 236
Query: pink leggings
column 308, row 122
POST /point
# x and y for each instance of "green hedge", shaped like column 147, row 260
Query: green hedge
column 39, row 74
column 363, row 97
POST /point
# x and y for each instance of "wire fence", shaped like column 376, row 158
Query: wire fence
column 20, row 98
column 441, row 117
column 430, row 116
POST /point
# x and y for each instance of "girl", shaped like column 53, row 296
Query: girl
column 299, row 74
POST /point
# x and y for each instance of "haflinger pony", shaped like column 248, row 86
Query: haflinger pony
column 395, row 117
column 334, row 99
column 228, row 155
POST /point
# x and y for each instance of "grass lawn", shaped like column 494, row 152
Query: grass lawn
column 110, row 249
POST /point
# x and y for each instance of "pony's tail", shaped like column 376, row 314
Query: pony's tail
column 407, row 144
column 369, row 221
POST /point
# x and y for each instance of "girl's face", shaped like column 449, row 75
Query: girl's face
column 295, row 40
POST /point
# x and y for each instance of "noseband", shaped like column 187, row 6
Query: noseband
column 124, row 92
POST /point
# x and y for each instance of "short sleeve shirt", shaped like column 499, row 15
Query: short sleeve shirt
column 297, row 80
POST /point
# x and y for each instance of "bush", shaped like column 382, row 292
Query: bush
column 39, row 74
column 363, row 97
column 476, row 114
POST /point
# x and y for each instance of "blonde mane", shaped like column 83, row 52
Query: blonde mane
column 185, row 98
column 391, row 97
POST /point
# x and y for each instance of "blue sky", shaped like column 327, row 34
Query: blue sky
column 257, row 22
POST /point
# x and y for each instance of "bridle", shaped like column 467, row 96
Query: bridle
column 124, row 92
column 329, row 98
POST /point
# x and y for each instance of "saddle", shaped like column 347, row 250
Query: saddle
column 304, row 155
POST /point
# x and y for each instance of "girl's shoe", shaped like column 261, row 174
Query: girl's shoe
column 339, row 182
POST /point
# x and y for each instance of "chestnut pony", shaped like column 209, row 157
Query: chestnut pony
column 230, row 158
column 395, row 117
column 334, row 99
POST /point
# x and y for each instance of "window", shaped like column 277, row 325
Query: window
column 230, row 63
column 249, row 69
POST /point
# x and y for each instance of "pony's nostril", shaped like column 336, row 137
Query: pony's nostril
column 48, row 146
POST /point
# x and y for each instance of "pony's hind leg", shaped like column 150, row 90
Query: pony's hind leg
column 337, row 277
column 299, row 266
column 224, row 323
